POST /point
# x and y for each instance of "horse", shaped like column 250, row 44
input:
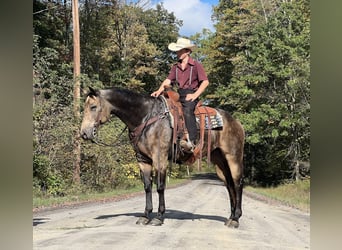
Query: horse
column 149, row 124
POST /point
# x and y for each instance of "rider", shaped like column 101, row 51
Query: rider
column 191, row 81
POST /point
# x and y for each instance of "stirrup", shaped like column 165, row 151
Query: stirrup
column 187, row 146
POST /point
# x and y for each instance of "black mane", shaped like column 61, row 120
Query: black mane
column 129, row 96
column 131, row 106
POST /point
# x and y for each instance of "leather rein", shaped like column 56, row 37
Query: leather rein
column 116, row 142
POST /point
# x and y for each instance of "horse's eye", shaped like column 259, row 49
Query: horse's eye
column 93, row 108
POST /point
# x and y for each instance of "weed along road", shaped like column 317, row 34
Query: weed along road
column 195, row 218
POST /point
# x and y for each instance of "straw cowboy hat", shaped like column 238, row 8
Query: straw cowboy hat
column 182, row 43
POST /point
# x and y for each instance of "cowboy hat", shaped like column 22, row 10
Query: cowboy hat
column 182, row 43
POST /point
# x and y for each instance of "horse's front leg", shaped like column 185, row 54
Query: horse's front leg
column 160, row 178
column 146, row 176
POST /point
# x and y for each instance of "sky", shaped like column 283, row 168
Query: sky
column 196, row 14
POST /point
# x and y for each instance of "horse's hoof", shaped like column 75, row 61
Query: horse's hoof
column 232, row 223
column 143, row 221
column 156, row 222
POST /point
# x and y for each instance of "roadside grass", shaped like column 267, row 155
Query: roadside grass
column 296, row 194
column 77, row 196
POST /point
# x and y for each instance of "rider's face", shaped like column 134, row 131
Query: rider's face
column 181, row 54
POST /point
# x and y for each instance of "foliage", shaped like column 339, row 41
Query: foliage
column 51, row 115
column 265, row 83
column 51, row 21
column 125, row 46
column 104, row 167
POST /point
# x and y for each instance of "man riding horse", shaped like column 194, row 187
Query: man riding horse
column 152, row 135
column 191, row 80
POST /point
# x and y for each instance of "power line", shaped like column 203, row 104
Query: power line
column 45, row 10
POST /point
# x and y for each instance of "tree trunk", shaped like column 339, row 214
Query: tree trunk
column 296, row 171
column 76, row 41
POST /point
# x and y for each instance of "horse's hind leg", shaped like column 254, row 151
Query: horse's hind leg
column 146, row 176
column 230, row 171
column 235, row 186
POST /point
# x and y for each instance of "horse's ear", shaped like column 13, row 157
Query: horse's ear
column 92, row 92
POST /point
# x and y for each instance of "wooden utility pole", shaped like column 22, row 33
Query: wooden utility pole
column 77, row 70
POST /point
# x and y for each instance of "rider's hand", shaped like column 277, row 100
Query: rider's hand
column 156, row 93
column 191, row 97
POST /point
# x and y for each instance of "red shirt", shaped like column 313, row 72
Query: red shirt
column 183, row 76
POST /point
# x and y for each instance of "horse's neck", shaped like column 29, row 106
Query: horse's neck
column 131, row 109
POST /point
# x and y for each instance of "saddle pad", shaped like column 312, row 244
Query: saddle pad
column 211, row 121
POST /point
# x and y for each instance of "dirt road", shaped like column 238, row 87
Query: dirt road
column 194, row 220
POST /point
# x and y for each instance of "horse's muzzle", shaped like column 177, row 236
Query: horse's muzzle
column 88, row 134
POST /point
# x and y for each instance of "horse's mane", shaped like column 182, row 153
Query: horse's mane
column 126, row 92
column 129, row 96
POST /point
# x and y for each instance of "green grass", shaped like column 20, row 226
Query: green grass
column 77, row 196
column 296, row 194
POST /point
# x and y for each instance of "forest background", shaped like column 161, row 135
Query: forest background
column 257, row 61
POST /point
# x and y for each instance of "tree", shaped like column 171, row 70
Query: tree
column 53, row 121
column 162, row 28
column 262, row 76
column 124, row 46
column 52, row 22
column 93, row 32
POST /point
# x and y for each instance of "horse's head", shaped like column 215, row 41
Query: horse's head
column 96, row 112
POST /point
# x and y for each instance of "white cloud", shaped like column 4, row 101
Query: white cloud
column 196, row 15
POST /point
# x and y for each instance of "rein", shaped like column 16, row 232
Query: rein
column 100, row 143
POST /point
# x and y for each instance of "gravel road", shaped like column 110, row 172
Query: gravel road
column 195, row 218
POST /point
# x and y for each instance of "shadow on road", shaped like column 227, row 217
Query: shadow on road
column 205, row 176
column 37, row 221
column 211, row 177
column 169, row 214
column 181, row 215
column 108, row 216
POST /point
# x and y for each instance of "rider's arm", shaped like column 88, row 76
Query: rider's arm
column 165, row 84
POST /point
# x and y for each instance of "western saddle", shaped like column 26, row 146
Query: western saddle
column 207, row 119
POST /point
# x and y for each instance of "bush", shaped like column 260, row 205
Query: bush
column 46, row 181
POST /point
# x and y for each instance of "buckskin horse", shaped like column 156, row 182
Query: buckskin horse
column 151, row 134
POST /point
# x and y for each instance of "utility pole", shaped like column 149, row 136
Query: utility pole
column 77, row 85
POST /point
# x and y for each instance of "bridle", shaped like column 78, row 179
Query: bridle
column 96, row 125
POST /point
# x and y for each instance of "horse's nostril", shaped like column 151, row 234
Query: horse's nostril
column 84, row 136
